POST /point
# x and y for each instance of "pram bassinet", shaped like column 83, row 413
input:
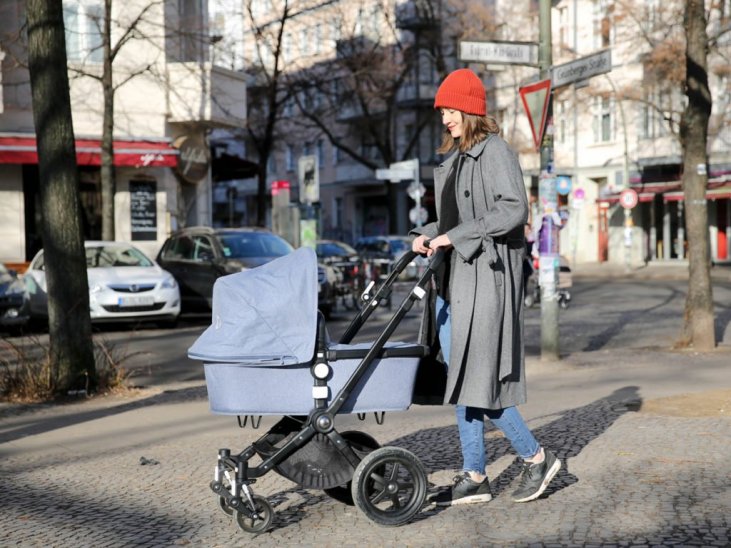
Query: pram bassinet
column 267, row 352
column 260, row 347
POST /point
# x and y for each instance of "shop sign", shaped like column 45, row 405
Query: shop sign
column 143, row 210
column 193, row 161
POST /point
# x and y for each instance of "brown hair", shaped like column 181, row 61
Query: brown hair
column 475, row 128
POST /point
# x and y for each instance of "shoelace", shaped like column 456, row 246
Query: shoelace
column 525, row 475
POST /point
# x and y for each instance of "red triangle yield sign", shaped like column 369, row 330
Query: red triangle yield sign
column 535, row 99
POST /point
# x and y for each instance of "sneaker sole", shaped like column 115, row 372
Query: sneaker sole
column 466, row 500
column 551, row 473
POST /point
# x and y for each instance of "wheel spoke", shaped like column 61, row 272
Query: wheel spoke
column 379, row 497
column 396, row 501
column 394, row 471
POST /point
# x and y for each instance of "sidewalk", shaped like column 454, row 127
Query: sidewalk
column 660, row 270
column 644, row 464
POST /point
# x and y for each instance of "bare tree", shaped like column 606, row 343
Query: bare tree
column 699, row 324
column 71, row 351
column 125, row 29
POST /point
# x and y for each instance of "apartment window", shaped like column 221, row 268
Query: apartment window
column 83, row 22
column 375, row 20
column 271, row 164
column 304, row 41
column 603, row 119
column 561, row 118
column 307, row 149
column 335, row 31
column 318, row 37
column 338, row 217
column 289, row 157
column 336, row 155
column 603, row 24
column 320, row 152
column 287, row 47
column 190, row 13
column 563, row 27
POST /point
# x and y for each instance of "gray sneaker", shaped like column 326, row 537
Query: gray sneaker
column 464, row 491
column 536, row 477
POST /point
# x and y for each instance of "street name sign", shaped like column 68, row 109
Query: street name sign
column 582, row 68
column 510, row 53
column 535, row 99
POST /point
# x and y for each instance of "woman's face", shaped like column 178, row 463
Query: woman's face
column 452, row 119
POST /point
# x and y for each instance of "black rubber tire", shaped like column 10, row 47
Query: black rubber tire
column 223, row 505
column 389, row 486
column 259, row 525
column 362, row 444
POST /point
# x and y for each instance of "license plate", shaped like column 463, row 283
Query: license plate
column 136, row 301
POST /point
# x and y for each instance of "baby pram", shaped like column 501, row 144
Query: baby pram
column 267, row 353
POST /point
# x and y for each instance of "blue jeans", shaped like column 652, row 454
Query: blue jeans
column 471, row 420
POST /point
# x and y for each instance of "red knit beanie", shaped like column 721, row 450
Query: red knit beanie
column 462, row 90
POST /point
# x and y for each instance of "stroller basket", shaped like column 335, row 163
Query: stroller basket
column 246, row 388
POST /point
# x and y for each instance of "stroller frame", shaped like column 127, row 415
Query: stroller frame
column 388, row 484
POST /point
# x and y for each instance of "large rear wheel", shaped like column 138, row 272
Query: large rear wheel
column 389, row 486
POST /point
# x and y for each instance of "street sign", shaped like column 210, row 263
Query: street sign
column 563, row 185
column 394, row 175
column 416, row 190
column 535, row 99
column 582, row 68
column 418, row 215
column 628, row 198
column 309, row 179
column 509, row 53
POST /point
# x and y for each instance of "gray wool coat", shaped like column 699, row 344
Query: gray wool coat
column 486, row 366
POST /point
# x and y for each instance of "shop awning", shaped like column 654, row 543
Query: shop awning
column 717, row 190
column 672, row 191
column 15, row 149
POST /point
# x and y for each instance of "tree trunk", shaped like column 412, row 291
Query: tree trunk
column 71, row 351
column 108, row 185
column 699, row 322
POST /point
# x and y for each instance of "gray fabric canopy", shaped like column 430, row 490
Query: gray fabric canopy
column 266, row 315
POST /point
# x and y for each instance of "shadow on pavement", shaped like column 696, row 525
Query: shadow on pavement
column 44, row 423
column 439, row 449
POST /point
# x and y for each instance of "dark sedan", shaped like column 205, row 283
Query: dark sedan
column 198, row 256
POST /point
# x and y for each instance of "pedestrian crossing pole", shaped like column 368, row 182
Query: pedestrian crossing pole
column 548, row 202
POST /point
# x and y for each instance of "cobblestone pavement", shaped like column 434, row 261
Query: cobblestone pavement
column 72, row 475
column 644, row 434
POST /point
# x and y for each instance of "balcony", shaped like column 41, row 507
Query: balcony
column 206, row 94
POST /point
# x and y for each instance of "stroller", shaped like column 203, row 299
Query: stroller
column 532, row 290
column 267, row 352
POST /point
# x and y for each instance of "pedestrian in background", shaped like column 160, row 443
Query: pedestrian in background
column 481, row 213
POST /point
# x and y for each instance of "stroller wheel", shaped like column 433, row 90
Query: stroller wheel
column 225, row 507
column 260, row 523
column 389, row 486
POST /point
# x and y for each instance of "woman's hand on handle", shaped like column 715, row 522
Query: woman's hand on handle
column 423, row 245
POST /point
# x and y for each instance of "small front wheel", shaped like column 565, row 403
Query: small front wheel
column 389, row 486
column 223, row 505
column 263, row 519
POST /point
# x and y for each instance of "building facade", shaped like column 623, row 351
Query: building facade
column 168, row 97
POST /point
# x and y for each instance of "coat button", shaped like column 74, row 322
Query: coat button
column 466, row 193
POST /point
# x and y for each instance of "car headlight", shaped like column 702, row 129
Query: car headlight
column 96, row 288
column 169, row 283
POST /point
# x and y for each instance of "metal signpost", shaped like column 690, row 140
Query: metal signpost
column 408, row 170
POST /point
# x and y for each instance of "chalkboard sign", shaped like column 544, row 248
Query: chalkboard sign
column 143, row 209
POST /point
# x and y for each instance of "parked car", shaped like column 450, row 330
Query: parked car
column 124, row 285
column 14, row 312
column 198, row 256
column 383, row 251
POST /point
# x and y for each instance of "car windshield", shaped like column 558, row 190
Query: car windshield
column 254, row 244
column 397, row 246
column 106, row 256
column 334, row 249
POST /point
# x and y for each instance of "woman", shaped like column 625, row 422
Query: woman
column 481, row 209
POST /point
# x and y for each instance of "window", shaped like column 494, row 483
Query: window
column 603, row 24
column 563, row 27
column 335, row 32
column 307, row 149
column 304, row 41
column 320, row 152
column 83, row 22
column 603, row 119
column 287, row 47
column 318, row 37
column 336, row 155
column 191, row 16
column 561, row 118
column 289, row 157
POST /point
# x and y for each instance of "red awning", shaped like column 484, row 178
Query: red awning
column 132, row 153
